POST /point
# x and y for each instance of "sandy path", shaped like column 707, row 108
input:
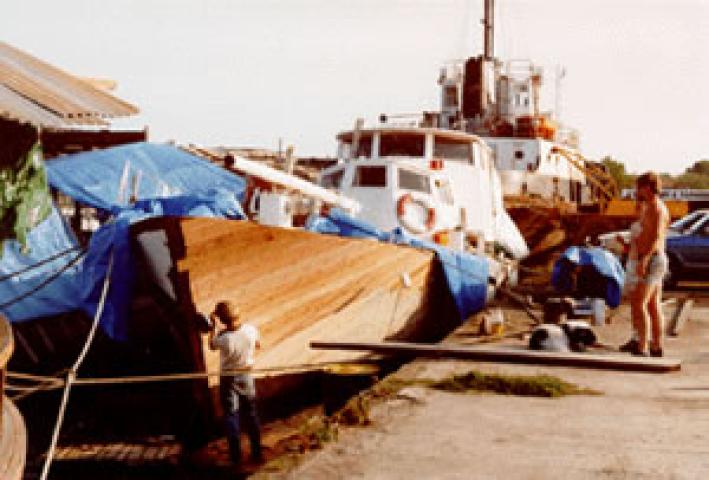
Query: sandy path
column 645, row 426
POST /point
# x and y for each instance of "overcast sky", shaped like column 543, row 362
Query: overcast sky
column 238, row 72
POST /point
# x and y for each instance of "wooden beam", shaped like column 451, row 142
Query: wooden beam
column 522, row 302
column 509, row 355
column 684, row 309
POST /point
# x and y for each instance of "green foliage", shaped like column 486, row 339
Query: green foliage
column 617, row 170
column 355, row 412
column 24, row 195
column 668, row 181
column 696, row 176
column 691, row 180
column 701, row 167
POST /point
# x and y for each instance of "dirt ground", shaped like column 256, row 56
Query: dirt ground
column 649, row 426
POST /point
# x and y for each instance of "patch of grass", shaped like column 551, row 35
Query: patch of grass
column 355, row 412
column 316, row 433
column 389, row 387
column 319, row 430
column 534, row 386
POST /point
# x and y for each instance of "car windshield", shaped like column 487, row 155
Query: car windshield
column 700, row 227
column 687, row 222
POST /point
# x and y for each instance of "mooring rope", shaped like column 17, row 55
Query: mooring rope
column 54, row 383
column 71, row 374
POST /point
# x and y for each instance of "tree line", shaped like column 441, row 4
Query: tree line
column 695, row 176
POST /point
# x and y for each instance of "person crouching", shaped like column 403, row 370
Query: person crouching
column 237, row 343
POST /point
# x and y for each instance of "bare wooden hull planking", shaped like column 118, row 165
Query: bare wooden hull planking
column 13, row 434
column 295, row 286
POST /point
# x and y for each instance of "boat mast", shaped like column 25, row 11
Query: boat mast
column 489, row 32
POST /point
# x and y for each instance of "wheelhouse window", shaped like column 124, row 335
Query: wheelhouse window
column 332, row 180
column 374, row 176
column 451, row 95
column 452, row 149
column 409, row 180
column 364, row 147
column 402, row 145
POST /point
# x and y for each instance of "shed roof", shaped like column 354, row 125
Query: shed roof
column 34, row 91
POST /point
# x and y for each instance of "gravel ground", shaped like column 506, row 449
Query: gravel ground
column 649, row 426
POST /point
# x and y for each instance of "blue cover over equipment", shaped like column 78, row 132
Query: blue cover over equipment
column 600, row 275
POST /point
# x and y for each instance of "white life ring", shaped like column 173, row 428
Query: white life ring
column 415, row 228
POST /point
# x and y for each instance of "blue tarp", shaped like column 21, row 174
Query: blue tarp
column 47, row 239
column 604, row 277
column 466, row 274
column 115, row 235
column 172, row 182
column 95, row 178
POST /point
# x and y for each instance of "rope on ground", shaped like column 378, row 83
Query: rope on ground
column 71, row 374
column 44, row 283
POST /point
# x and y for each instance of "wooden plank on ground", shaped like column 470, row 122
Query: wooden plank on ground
column 684, row 309
column 509, row 355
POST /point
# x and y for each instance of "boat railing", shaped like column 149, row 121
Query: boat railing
column 403, row 120
column 568, row 136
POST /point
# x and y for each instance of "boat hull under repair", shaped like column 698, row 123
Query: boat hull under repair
column 295, row 286
column 13, row 433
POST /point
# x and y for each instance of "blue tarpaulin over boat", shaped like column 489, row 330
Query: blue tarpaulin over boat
column 22, row 296
column 589, row 272
column 466, row 274
column 167, row 180
column 104, row 178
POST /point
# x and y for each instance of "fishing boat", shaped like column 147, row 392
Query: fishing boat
column 435, row 184
column 537, row 156
column 294, row 286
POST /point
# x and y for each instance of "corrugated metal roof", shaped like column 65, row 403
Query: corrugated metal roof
column 34, row 91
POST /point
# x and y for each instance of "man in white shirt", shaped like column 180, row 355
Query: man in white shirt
column 236, row 343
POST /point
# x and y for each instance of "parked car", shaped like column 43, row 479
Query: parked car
column 687, row 247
